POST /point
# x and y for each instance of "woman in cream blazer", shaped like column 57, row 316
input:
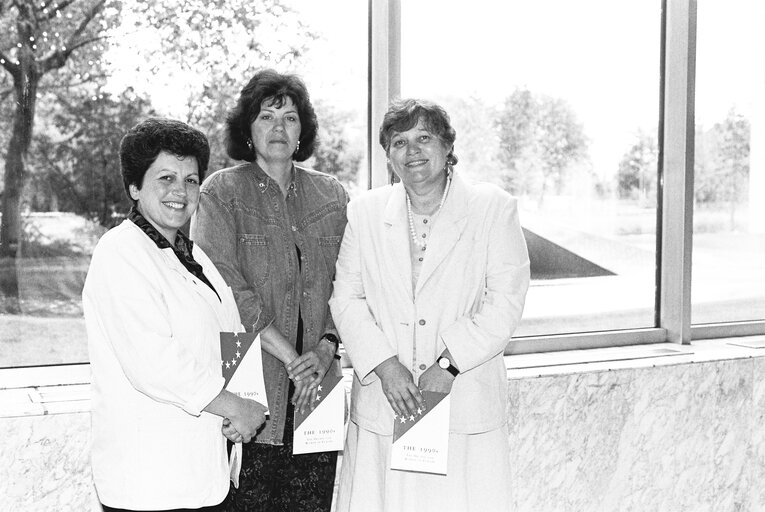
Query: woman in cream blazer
column 459, row 295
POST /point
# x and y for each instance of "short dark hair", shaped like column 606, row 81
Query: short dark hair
column 403, row 115
column 269, row 84
column 142, row 144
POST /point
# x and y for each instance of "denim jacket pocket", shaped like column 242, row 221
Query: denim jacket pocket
column 253, row 257
column 330, row 247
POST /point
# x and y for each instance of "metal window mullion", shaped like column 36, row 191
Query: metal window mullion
column 384, row 78
column 674, row 296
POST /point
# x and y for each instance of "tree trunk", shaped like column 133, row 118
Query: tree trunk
column 25, row 88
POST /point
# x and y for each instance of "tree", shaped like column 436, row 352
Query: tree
column 540, row 138
column 38, row 37
column 217, row 45
column 722, row 167
column 78, row 156
column 335, row 153
column 515, row 125
column 638, row 170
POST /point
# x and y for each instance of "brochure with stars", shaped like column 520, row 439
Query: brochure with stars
column 421, row 441
column 322, row 428
column 242, row 364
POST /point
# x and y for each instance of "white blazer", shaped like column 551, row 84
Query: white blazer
column 153, row 337
column 469, row 298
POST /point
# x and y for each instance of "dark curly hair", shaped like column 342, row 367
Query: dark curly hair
column 264, row 85
column 142, row 144
column 403, row 115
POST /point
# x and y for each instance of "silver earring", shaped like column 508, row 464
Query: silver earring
column 249, row 144
column 297, row 148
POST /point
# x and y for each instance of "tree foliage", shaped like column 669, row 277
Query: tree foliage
column 722, row 164
column 334, row 154
column 218, row 45
column 540, row 139
column 77, row 156
column 36, row 39
column 638, row 170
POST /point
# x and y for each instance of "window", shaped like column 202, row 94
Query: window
column 561, row 109
column 152, row 60
column 601, row 162
column 729, row 189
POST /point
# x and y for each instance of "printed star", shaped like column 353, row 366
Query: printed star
column 318, row 397
column 233, row 362
column 411, row 418
column 419, row 410
column 221, row 362
column 319, row 388
column 238, row 355
column 228, row 365
column 403, row 420
column 238, row 344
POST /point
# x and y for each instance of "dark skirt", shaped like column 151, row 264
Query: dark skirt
column 272, row 479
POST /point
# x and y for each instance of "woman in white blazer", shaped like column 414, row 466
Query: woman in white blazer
column 431, row 281
column 154, row 306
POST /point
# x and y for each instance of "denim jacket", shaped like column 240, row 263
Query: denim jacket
column 250, row 231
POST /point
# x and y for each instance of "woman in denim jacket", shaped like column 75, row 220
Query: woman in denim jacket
column 273, row 229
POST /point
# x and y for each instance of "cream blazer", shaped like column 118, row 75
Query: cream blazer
column 469, row 298
column 153, row 337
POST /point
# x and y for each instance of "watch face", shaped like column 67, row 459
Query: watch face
column 444, row 362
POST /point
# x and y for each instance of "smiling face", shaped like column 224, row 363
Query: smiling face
column 418, row 157
column 275, row 131
column 169, row 194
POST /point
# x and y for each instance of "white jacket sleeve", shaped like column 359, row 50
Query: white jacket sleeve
column 123, row 302
column 365, row 342
column 474, row 340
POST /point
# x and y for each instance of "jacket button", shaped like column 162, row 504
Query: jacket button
column 422, row 366
column 422, row 322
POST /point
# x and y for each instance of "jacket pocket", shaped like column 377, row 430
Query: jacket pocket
column 330, row 247
column 254, row 257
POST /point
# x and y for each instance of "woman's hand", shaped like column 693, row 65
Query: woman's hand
column 398, row 386
column 246, row 418
column 436, row 379
column 242, row 417
column 305, row 395
column 230, row 432
column 313, row 364
column 307, row 371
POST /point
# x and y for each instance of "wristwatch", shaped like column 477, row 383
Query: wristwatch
column 334, row 340
column 447, row 365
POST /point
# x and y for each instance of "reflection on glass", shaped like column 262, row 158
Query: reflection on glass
column 188, row 65
column 728, row 274
column 557, row 102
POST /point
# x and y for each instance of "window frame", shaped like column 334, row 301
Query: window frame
column 674, row 237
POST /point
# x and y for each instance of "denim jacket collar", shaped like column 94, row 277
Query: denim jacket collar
column 265, row 181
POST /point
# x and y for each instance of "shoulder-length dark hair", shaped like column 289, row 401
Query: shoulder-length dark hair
column 143, row 143
column 268, row 84
column 402, row 115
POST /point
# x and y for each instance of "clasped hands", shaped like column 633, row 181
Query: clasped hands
column 307, row 371
column 400, row 390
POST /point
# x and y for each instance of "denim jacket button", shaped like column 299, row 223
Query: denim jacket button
column 422, row 367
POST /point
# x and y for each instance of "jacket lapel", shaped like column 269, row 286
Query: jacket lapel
column 396, row 225
column 448, row 228
column 200, row 288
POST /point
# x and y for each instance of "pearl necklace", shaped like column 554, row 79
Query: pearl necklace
column 412, row 231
